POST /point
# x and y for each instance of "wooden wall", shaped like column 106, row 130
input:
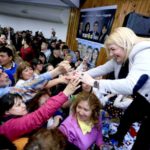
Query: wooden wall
column 123, row 8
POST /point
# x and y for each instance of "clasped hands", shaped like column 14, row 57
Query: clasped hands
column 82, row 76
column 69, row 73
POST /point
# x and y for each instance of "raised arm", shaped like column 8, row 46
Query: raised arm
column 62, row 79
column 41, row 81
column 17, row 127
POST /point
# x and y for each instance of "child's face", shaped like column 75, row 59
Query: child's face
column 19, row 108
column 83, row 111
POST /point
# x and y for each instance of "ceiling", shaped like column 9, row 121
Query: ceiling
column 46, row 10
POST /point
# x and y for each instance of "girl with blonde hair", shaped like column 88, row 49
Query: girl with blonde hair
column 83, row 126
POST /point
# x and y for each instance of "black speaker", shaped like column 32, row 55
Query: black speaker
column 138, row 23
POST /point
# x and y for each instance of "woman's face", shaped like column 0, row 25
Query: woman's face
column 43, row 46
column 87, row 27
column 89, row 53
column 42, row 59
column 50, row 68
column 104, row 29
column 39, row 67
column 27, row 73
column 95, row 54
column 23, row 42
column 19, row 108
column 117, row 53
column 83, row 111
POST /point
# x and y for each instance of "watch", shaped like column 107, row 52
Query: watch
column 96, row 84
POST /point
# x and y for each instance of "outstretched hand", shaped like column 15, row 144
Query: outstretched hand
column 81, row 76
column 64, row 67
column 63, row 79
column 72, row 86
column 17, row 90
column 85, row 78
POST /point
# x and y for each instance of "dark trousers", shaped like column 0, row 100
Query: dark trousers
column 139, row 110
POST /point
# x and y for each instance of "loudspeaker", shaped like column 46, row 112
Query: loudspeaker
column 138, row 23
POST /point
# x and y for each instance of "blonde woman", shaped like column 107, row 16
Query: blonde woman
column 121, row 45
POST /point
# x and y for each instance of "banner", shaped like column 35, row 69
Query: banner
column 95, row 23
column 94, row 26
column 90, row 50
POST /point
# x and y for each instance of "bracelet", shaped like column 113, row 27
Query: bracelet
column 96, row 84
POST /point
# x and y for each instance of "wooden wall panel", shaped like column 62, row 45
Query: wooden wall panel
column 72, row 28
column 123, row 8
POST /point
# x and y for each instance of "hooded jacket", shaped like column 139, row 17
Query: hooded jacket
column 139, row 62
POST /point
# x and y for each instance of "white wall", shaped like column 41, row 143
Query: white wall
column 20, row 24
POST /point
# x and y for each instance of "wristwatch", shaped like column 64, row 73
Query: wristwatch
column 96, row 84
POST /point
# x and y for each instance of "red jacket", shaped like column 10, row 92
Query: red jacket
column 17, row 127
column 27, row 54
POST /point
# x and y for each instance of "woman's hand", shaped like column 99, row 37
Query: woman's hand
column 63, row 79
column 64, row 67
column 57, row 120
column 72, row 86
column 85, row 78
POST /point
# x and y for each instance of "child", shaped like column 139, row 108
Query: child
column 84, row 122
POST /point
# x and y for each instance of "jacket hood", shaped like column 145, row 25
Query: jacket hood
column 144, row 45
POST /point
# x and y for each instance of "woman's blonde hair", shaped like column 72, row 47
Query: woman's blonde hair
column 123, row 37
column 93, row 103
